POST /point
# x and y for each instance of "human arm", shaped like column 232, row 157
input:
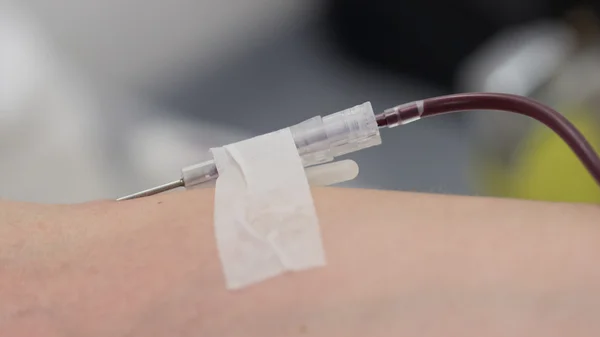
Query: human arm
column 398, row 264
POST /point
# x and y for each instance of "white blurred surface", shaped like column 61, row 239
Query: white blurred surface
column 59, row 140
column 148, row 43
column 47, row 141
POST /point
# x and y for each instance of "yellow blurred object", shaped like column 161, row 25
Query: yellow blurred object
column 545, row 168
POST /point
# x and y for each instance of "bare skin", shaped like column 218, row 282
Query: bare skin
column 399, row 264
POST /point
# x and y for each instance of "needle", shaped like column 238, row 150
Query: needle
column 154, row 190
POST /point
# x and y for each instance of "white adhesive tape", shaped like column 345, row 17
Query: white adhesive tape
column 265, row 219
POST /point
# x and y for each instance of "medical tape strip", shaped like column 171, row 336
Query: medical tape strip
column 265, row 219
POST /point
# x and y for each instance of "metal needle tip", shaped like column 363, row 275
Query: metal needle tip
column 154, row 190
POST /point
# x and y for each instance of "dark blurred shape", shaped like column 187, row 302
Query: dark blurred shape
column 427, row 39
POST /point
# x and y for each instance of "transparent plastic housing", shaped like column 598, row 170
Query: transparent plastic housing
column 199, row 173
column 321, row 139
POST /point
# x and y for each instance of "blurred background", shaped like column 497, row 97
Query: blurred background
column 99, row 99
